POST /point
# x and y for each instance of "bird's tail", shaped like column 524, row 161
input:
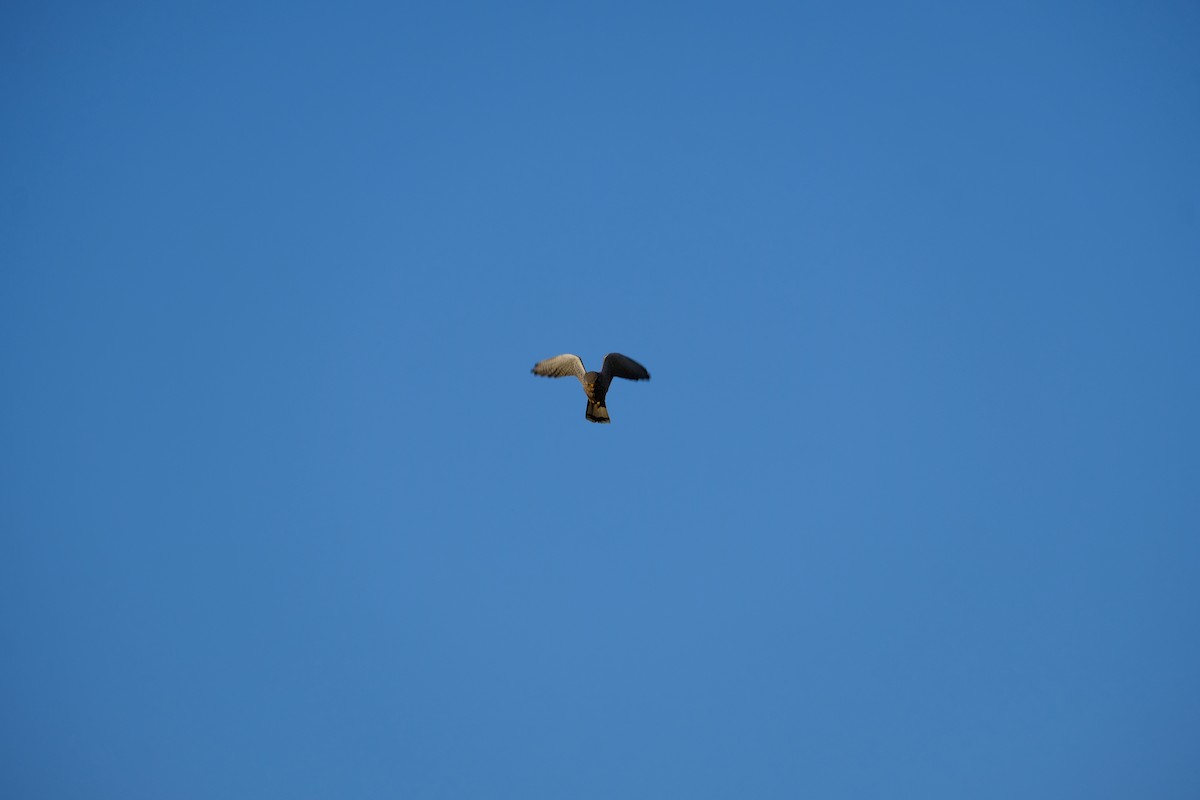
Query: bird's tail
column 596, row 412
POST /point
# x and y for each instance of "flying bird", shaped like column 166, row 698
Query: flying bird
column 595, row 384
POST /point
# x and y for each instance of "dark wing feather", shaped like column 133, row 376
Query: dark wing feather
column 619, row 366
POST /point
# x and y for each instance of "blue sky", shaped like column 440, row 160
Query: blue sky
column 909, row 508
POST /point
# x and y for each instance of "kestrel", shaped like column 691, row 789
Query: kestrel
column 595, row 384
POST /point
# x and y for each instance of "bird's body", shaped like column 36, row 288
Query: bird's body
column 595, row 384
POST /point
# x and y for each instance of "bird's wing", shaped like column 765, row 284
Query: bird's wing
column 560, row 367
column 619, row 366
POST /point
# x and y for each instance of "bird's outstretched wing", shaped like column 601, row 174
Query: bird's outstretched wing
column 560, row 367
column 619, row 366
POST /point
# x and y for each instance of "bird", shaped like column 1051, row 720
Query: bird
column 595, row 384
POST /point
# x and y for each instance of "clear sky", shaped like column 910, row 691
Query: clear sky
column 910, row 508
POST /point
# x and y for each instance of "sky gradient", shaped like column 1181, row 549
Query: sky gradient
column 909, row 509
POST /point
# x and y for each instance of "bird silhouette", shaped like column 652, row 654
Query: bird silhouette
column 595, row 384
